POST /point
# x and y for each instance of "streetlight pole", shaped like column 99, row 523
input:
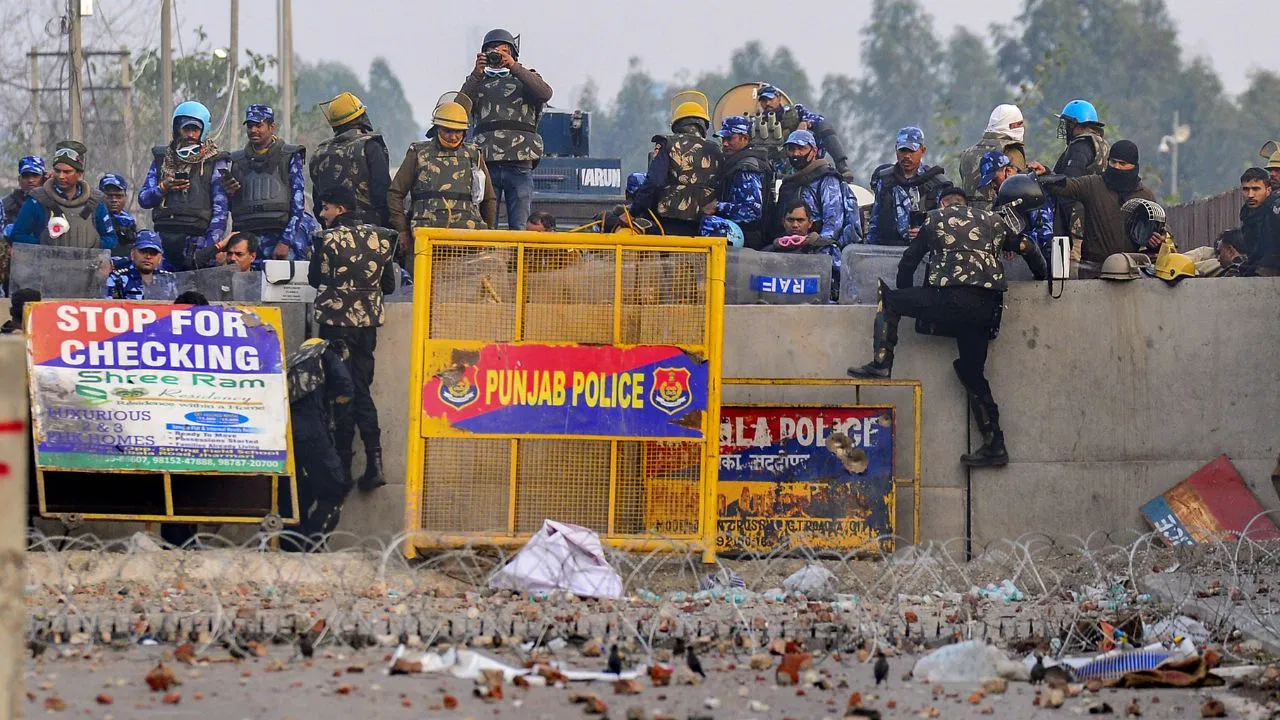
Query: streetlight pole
column 233, row 109
column 76, row 52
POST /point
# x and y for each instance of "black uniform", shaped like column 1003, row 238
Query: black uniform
column 318, row 384
column 962, row 298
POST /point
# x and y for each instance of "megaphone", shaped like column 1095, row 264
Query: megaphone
column 58, row 226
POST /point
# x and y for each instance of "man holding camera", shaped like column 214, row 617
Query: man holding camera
column 507, row 100
column 184, row 189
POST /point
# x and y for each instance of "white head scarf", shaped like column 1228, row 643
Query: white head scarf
column 1004, row 116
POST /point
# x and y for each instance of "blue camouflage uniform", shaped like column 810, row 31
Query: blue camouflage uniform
column 124, row 223
column 742, row 194
column 150, row 197
column 124, row 282
column 904, row 198
column 1039, row 221
column 297, row 234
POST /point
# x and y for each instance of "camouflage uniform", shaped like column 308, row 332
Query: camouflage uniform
column 506, row 108
column 443, row 194
column 693, row 170
column 743, row 198
column 349, row 264
column 343, row 160
column 318, row 383
column 981, row 197
column 962, row 298
column 124, row 282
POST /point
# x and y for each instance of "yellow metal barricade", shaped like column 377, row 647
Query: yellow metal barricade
column 564, row 377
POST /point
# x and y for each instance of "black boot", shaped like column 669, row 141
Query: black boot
column 886, row 337
column 372, row 478
column 346, row 459
column 992, row 453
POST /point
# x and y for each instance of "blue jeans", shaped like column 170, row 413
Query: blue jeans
column 514, row 185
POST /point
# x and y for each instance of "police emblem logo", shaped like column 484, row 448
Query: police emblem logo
column 458, row 392
column 671, row 392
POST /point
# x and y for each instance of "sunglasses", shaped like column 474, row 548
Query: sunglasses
column 66, row 153
column 790, row 241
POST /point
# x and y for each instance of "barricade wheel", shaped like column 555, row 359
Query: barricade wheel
column 272, row 524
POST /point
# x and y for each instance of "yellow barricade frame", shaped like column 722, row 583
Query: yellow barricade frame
column 427, row 240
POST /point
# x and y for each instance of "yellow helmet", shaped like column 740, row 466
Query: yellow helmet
column 1273, row 162
column 1172, row 267
column 342, row 109
column 451, row 116
column 689, row 110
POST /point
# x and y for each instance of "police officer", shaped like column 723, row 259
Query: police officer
column 348, row 266
column 183, row 189
column 816, row 181
column 446, row 178
column 746, row 182
column 139, row 276
column 66, row 195
column 995, row 168
column 1005, row 132
column 31, row 175
column 963, row 297
column 268, row 188
column 683, row 174
column 790, row 118
column 116, row 190
column 319, row 387
column 1085, row 154
column 909, row 185
column 355, row 157
column 508, row 99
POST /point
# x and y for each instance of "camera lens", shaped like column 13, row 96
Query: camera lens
column 493, row 58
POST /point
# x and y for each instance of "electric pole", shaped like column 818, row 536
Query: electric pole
column 37, row 132
column 234, row 69
column 77, row 67
column 286, row 68
column 166, row 58
column 126, row 82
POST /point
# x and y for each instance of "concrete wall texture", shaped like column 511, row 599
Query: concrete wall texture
column 13, row 527
column 1109, row 395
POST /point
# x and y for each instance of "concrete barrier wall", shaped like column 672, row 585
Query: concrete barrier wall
column 1109, row 395
column 13, row 524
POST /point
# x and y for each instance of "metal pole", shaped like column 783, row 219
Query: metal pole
column 1176, row 143
column 77, row 67
column 166, row 59
column 126, row 79
column 37, row 132
column 286, row 68
column 234, row 69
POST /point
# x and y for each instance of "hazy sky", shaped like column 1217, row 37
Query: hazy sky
column 431, row 44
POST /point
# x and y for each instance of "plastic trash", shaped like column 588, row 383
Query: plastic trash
column 813, row 581
column 724, row 578
column 560, row 556
column 1170, row 628
column 969, row 661
column 1005, row 591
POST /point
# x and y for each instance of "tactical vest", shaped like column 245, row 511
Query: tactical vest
column 792, row 189
column 442, row 189
column 80, row 214
column 506, row 125
column 965, row 243
column 887, row 221
column 189, row 212
column 693, row 169
column 262, row 205
column 306, row 370
column 752, row 160
column 340, row 160
column 1101, row 149
column 970, row 167
column 12, row 203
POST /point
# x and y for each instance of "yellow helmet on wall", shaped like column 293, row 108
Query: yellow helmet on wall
column 1172, row 267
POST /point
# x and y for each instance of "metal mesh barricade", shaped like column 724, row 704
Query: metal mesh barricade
column 59, row 272
column 565, row 379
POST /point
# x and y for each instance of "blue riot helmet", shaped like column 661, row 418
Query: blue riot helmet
column 194, row 111
column 716, row 226
column 1075, row 113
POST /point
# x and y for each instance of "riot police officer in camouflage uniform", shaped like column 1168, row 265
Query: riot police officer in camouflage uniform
column 355, row 157
column 349, row 267
column 446, row 179
column 963, row 296
column 318, row 383
column 683, row 174
column 507, row 101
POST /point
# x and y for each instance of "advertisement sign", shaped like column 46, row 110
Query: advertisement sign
column 1213, row 504
column 161, row 388
column 654, row 391
column 782, row 484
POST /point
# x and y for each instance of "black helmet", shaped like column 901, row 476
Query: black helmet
column 498, row 35
column 1023, row 188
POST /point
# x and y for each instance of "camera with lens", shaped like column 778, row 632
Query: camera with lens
column 493, row 58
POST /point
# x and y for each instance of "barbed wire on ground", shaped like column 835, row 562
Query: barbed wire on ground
column 1031, row 592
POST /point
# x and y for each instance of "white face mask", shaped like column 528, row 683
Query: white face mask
column 1004, row 116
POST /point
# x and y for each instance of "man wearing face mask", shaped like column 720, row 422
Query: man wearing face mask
column 446, row 179
column 816, row 181
column 1004, row 133
column 1102, row 197
column 906, row 186
column 183, row 189
column 508, row 99
column 1085, row 154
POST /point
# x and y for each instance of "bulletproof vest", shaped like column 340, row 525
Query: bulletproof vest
column 1101, row 149
column 262, row 205
column 12, row 203
column 442, row 189
column 693, row 169
column 887, row 222
column 506, row 125
column 189, row 212
column 340, row 160
column 965, row 243
column 306, row 370
column 753, row 160
column 970, row 170
column 793, row 186
column 80, row 214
